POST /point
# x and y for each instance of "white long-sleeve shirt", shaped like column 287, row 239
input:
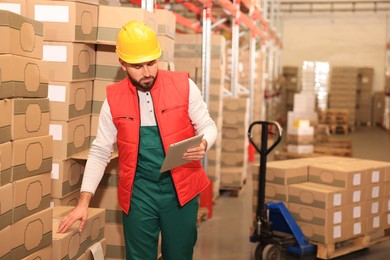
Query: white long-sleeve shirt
column 102, row 146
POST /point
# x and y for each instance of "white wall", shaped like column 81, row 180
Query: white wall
column 356, row 40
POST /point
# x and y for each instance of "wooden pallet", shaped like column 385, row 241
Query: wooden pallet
column 335, row 151
column 233, row 191
column 339, row 128
column 330, row 251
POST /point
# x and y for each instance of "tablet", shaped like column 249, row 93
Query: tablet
column 175, row 153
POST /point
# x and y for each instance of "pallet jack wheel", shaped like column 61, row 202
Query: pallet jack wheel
column 258, row 251
column 272, row 252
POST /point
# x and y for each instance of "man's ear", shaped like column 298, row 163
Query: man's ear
column 123, row 64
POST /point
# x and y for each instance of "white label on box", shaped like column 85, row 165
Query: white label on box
column 357, row 212
column 55, row 171
column 374, row 208
column 375, row 176
column 376, row 221
column 57, row 93
column 51, row 204
column 15, row 8
column 336, row 231
column 356, row 196
column 375, row 192
column 357, row 228
column 51, row 13
column 97, row 251
column 337, row 217
column 56, row 53
column 337, row 199
column 56, row 132
column 356, row 179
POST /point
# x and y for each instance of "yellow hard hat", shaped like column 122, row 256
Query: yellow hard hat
column 137, row 43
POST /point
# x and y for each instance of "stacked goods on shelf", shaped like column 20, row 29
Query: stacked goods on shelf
column 25, row 144
column 386, row 114
column 344, row 82
column 188, row 58
column 378, row 108
column 364, row 96
column 300, row 121
column 343, row 201
column 290, row 85
column 244, row 77
column 234, row 154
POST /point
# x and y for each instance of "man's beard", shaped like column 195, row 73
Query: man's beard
column 146, row 86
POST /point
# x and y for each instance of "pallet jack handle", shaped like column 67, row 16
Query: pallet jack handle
column 263, row 150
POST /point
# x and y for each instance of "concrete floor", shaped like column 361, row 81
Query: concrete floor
column 225, row 236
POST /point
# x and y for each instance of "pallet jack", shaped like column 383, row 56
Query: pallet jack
column 274, row 230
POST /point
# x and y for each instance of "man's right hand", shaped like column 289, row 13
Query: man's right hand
column 80, row 212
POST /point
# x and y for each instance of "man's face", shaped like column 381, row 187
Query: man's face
column 142, row 75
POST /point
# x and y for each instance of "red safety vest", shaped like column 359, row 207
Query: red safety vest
column 170, row 95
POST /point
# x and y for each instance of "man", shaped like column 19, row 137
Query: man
column 143, row 114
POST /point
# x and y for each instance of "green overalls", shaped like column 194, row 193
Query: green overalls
column 154, row 208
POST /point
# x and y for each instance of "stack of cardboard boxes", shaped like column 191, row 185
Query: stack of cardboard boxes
column 188, row 58
column 364, row 96
column 332, row 199
column 25, row 146
column 64, row 59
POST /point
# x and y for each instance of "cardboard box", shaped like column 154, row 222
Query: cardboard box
column 31, row 195
column 20, row 35
column 23, row 77
column 301, row 148
column 378, row 171
column 284, row 172
column 99, row 94
column 70, row 137
column 73, row 243
column 69, row 100
column 66, row 177
column 69, row 200
column 6, row 209
column 30, row 117
column 166, row 22
column 108, row 28
column 375, row 191
column 167, row 45
column 375, row 223
column 5, row 163
column 338, row 233
column 356, row 195
column 65, row 21
column 107, row 198
column 44, row 253
column 15, row 6
column 317, row 216
column 69, row 61
column 275, row 192
column 5, row 248
column 31, row 156
column 107, row 64
column 31, row 234
column 339, row 174
column 316, row 195
column 233, row 177
column 374, row 207
column 5, row 120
